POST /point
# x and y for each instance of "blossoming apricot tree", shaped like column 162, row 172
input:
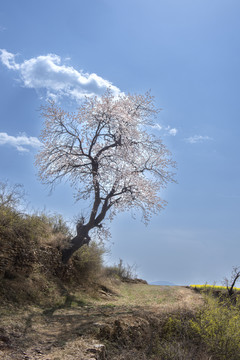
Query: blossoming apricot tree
column 109, row 153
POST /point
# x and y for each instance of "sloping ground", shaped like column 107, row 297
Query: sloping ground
column 120, row 324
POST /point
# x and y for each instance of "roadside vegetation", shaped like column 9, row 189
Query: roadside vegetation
column 213, row 330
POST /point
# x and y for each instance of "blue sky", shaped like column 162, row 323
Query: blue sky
column 187, row 53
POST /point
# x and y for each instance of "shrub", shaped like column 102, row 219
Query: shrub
column 87, row 263
column 212, row 332
column 176, row 339
column 11, row 196
column 121, row 271
column 28, row 242
column 218, row 325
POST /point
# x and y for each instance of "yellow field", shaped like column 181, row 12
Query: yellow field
column 214, row 287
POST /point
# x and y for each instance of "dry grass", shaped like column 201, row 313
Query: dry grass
column 150, row 296
column 51, row 311
column 71, row 329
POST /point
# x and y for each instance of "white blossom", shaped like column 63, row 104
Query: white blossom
column 105, row 150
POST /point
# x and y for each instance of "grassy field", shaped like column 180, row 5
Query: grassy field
column 140, row 295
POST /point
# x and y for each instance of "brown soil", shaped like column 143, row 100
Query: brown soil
column 112, row 327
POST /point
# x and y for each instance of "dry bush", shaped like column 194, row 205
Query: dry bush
column 121, row 271
column 11, row 196
column 218, row 325
column 30, row 258
column 176, row 339
column 22, row 240
column 211, row 332
column 87, row 264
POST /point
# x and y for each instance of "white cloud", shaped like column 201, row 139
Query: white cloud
column 20, row 142
column 197, row 139
column 173, row 132
column 167, row 129
column 47, row 73
column 157, row 126
column 8, row 60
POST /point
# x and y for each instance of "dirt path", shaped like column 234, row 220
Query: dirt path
column 78, row 332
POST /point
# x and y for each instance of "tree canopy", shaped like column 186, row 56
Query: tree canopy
column 108, row 152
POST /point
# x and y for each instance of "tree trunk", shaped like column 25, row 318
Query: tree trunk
column 231, row 289
column 76, row 243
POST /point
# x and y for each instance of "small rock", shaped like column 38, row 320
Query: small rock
column 4, row 339
column 99, row 350
column 38, row 351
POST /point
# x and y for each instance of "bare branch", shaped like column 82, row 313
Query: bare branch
column 230, row 283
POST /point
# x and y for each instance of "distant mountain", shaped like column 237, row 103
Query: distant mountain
column 167, row 283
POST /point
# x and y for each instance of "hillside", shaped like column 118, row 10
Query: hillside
column 120, row 322
column 79, row 310
column 84, row 310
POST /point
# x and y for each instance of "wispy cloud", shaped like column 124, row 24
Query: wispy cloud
column 2, row 28
column 47, row 73
column 172, row 131
column 157, row 127
column 21, row 142
column 197, row 139
column 8, row 59
column 166, row 129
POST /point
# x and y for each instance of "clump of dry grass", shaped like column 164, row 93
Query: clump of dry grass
column 121, row 271
column 31, row 269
